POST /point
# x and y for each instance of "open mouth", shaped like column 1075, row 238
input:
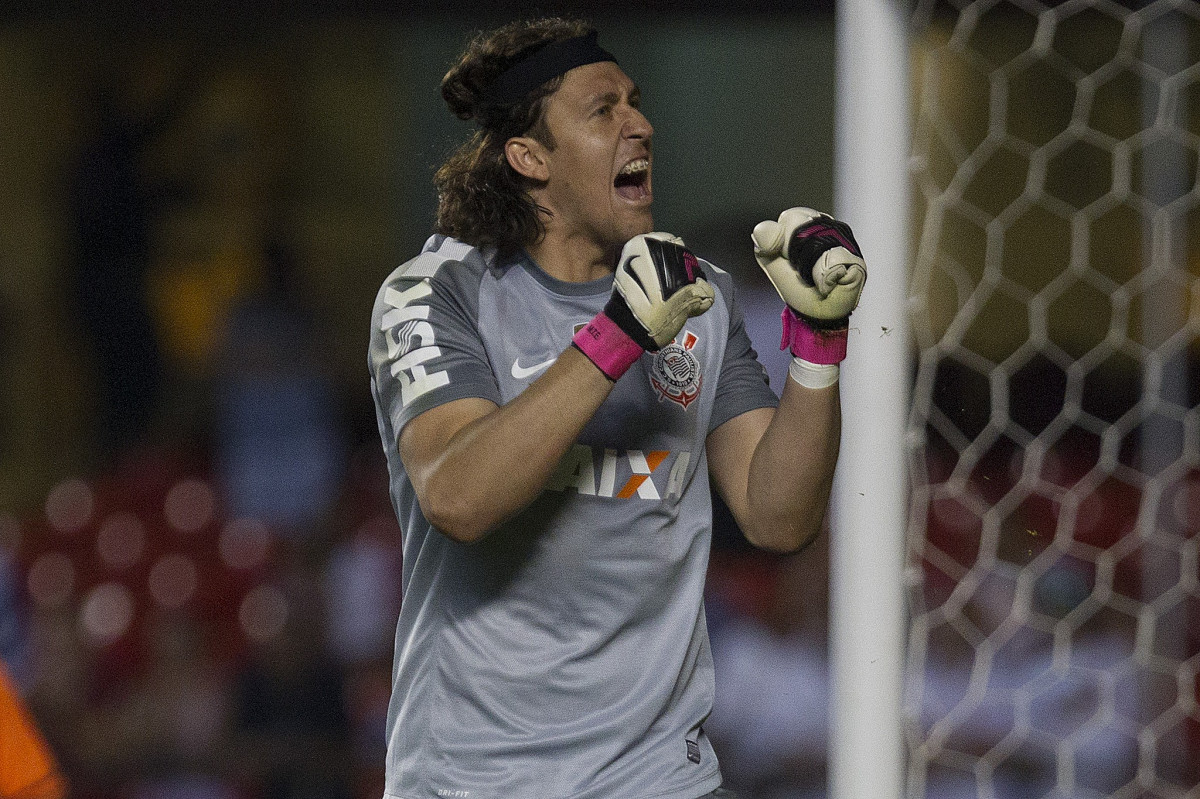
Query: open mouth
column 633, row 181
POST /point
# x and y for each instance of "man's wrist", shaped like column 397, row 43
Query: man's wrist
column 607, row 346
column 822, row 346
column 813, row 375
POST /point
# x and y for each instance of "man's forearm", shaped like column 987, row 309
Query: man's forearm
column 791, row 472
column 498, row 463
column 816, row 265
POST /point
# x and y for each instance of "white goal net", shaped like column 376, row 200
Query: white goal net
column 1054, row 639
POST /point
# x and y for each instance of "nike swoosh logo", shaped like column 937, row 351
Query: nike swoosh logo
column 521, row 372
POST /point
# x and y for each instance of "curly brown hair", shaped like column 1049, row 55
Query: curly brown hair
column 482, row 200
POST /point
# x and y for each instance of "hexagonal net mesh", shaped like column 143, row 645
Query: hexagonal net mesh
column 1055, row 633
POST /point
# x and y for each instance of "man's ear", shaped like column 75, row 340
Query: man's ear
column 528, row 157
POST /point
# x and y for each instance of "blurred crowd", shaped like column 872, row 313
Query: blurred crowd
column 172, row 644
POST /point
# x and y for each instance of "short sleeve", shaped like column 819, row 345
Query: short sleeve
column 743, row 384
column 426, row 348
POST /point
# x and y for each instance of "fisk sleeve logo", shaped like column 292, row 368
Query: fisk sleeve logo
column 635, row 468
column 411, row 341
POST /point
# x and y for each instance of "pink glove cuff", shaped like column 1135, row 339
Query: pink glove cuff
column 607, row 346
column 815, row 346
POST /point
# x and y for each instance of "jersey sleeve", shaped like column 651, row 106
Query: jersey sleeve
column 743, row 384
column 426, row 348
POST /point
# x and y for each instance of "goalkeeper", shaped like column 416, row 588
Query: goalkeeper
column 556, row 385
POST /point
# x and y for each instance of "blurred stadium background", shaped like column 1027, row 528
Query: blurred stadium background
column 198, row 561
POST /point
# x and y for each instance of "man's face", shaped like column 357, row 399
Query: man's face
column 599, row 171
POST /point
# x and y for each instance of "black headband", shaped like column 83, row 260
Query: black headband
column 540, row 65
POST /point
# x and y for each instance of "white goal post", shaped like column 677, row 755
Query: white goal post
column 870, row 503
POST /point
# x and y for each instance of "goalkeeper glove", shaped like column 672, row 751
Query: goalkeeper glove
column 817, row 267
column 658, row 286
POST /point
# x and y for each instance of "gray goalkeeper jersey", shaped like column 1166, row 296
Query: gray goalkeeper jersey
column 566, row 653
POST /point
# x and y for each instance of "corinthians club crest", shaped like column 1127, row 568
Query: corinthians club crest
column 675, row 374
